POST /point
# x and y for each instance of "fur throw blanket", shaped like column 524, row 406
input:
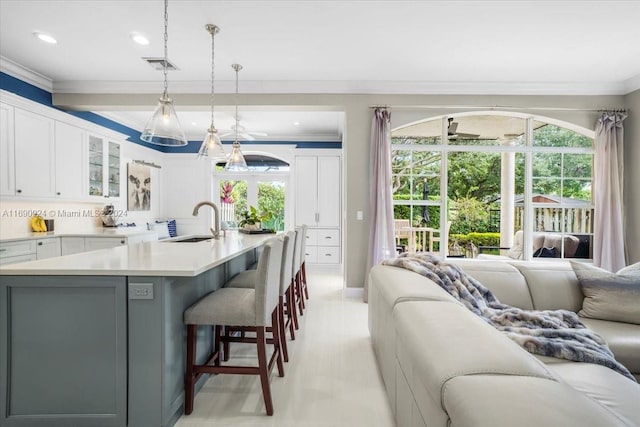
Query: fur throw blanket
column 555, row 333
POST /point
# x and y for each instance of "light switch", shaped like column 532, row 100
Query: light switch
column 359, row 215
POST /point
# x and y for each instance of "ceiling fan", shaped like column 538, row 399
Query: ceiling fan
column 453, row 134
column 242, row 133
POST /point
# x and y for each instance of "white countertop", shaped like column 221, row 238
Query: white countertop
column 157, row 258
column 92, row 232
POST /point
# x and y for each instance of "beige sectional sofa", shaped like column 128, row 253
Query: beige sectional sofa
column 444, row 366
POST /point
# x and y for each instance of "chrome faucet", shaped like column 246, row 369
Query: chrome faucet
column 216, row 217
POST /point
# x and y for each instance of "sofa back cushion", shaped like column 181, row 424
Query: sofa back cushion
column 553, row 284
column 504, row 280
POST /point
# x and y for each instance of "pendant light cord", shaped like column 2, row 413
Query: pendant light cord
column 166, row 50
column 237, row 67
column 213, row 34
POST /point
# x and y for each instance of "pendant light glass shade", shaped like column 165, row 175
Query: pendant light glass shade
column 212, row 146
column 236, row 162
column 163, row 128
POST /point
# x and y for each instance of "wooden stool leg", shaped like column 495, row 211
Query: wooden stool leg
column 299, row 296
column 277, row 340
column 226, row 344
column 292, row 312
column 189, row 377
column 264, row 369
column 216, row 344
column 304, row 280
column 281, row 331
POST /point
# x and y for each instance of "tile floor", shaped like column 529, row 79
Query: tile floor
column 331, row 379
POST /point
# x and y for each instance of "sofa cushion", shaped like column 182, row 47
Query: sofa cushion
column 552, row 284
column 503, row 279
column 505, row 400
column 609, row 296
column 603, row 385
column 622, row 338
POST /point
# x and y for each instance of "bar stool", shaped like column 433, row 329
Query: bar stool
column 246, row 279
column 298, row 265
column 256, row 307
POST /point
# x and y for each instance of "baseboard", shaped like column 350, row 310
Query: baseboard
column 353, row 293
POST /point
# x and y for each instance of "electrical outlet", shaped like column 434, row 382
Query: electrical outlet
column 140, row 290
column 359, row 215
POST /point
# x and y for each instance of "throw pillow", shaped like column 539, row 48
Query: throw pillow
column 171, row 224
column 609, row 296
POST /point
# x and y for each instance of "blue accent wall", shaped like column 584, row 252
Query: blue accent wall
column 41, row 96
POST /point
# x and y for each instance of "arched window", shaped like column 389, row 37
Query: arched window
column 500, row 183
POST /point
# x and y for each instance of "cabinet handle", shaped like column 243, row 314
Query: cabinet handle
column 39, row 243
column 122, row 242
column 3, row 249
column 58, row 193
column 18, row 191
column 327, row 237
column 327, row 254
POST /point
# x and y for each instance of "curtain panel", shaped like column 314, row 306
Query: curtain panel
column 608, row 245
column 381, row 237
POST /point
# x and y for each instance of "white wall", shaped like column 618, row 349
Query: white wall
column 632, row 176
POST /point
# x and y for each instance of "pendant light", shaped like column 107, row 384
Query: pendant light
column 163, row 128
column 236, row 161
column 211, row 146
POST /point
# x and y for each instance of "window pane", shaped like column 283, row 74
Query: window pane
column 549, row 135
column 547, row 164
column 427, row 132
column 486, row 130
column 401, row 187
column 543, row 188
column 271, row 201
column 577, row 165
column 576, row 191
column 233, row 200
column 400, row 162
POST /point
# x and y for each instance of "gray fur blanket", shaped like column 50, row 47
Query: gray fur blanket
column 555, row 333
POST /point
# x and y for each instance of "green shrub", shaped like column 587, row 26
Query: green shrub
column 478, row 239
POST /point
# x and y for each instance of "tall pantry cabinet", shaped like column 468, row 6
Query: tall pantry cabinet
column 318, row 205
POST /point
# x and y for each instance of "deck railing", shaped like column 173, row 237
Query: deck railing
column 559, row 219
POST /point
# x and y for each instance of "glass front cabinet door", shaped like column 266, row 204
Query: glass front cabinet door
column 104, row 167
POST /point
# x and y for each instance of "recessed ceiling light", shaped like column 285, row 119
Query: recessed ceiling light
column 45, row 37
column 194, row 123
column 139, row 38
column 296, row 123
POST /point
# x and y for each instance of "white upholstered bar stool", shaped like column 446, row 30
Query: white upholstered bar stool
column 255, row 307
column 246, row 279
column 299, row 284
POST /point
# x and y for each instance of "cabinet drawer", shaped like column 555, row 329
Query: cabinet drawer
column 312, row 237
column 48, row 248
column 21, row 247
column 328, row 237
column 311, row 254
column 95, row 243
column 328, row 255
column 16, row 259
column 72, row 245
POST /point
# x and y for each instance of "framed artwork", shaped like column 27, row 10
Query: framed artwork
column 138, row 187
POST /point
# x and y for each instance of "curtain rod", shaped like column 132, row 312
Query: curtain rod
column 492, row 107
column 142, row 162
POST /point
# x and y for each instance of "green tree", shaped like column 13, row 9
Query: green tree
column 271, row 199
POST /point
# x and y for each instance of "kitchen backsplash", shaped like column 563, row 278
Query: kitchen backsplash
column 14, row 216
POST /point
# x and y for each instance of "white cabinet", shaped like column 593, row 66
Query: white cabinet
column 95, row 243
column 48, row 248
column 7, row 160
column 318, row 189
column 104, row 167
column 34, row 154
column 69, row 161
column 17, row 251
column 72, row 245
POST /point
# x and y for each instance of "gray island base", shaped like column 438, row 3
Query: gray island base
column 83, row 350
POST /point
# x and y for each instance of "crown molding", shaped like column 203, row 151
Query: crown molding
column 632, row 84
column 355, row 87
column 25, row 74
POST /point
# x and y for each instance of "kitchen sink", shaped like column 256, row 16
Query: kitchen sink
column 191, row 239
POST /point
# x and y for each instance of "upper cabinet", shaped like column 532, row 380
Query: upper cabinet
column 7, row 174
column 104, row 167
column 46, row 154
column 70, row 161
column 34, row 154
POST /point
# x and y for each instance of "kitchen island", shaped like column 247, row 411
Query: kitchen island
column 97, row 339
